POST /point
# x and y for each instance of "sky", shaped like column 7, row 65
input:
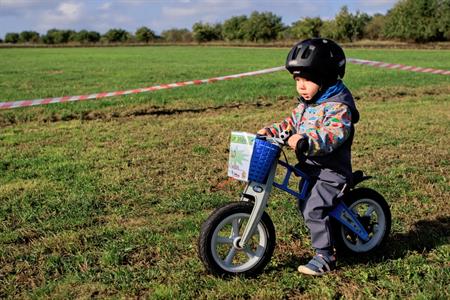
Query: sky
column 102, row 15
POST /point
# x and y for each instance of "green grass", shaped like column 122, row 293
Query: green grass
column 42, row 73
column 111, row 207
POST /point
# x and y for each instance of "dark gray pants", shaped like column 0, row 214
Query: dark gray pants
column 315, row 209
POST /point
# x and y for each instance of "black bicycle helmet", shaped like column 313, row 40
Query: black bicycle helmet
column 319, row 60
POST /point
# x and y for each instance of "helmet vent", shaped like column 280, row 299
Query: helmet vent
column 308, row 52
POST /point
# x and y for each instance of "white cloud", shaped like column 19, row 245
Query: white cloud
column 65, row 15
column 204, row 10
column 23, row 7
column 101, row 15
column 375, row 6
column 105, row 6
column 178, row 12
column 375, row 3
column 70, row 10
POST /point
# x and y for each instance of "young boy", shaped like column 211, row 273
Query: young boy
column 322, row 134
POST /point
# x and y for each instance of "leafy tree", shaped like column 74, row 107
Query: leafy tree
column 117, row 35
column 443, row 17
column 306, row 28
column 12, row 38
column 85, row 37
column 349, row 27
column 233, row 28
column 82, row 36
column 344, row 23
column 48, row 37
column 94, row 36
column 262, row 27
column 145, row 35
column 29, row 37
column 328, row 29
column 374, row 28
column 72, row 34
column 360, row 21
column 205, row 32
column 58, row 36
column 419, row 20
column 177, row 35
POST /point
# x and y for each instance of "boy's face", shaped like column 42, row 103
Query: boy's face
column 305, row 88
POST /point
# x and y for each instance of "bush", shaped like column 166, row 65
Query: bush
column 328, row 29
column 350, row 27
column 374, row 28
column 306, row 28
column 263, row 27
column 233, row 28
column 145, row 35
column 29, row 37
column 58, row 36
column 205, row 32
column 85, row 37
column 12, row 38
column 177, row 35
column 117, row 36
column 419, row 20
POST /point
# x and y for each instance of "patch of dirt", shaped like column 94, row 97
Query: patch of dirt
column 9, row 119
column 55, row 72
column 366, row 94
column 399, row 93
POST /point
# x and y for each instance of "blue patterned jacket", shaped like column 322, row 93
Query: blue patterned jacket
column 326, row 124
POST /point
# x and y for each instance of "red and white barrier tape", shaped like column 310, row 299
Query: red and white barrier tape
column 380, row 64
column 26, row 103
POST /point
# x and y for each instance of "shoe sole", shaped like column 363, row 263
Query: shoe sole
column 308, row 271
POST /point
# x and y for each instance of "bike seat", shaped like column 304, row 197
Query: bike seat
column 358, row 176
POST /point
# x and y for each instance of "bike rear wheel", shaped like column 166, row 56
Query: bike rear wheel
column 218, row 244
column 373, row 213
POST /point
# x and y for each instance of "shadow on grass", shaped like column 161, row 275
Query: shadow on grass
column 424, row 236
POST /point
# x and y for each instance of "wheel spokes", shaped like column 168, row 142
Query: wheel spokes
column 249, row 254
column 224, row 240
column 358, row 242
column 230, row 256
column 376, row 227
column 235, row 227
column 369, row 211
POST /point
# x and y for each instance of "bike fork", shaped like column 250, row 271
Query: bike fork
column 260, row 194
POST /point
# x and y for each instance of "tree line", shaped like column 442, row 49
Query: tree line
column 409, row 20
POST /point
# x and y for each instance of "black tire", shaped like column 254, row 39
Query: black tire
column 212, row 252
column 376, row 220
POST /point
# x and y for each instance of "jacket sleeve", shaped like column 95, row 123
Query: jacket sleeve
column 334, row 130
column 291, row 121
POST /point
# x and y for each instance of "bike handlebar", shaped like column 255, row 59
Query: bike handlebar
column 280, row 142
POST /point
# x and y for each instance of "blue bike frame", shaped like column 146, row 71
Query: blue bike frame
column 341, row 213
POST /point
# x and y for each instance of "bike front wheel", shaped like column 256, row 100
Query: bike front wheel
column 373, row 213
column 218, row 244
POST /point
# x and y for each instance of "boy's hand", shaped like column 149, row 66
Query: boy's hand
column 293, row 140
column 263, row 132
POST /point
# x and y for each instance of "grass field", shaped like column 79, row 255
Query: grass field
column 104, row 199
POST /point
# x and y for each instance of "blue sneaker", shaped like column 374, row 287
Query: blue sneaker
column 318, row 265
